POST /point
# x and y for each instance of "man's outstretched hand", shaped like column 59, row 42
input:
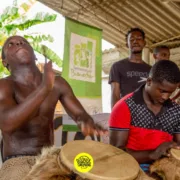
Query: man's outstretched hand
column 89, row 127
column 163, row 150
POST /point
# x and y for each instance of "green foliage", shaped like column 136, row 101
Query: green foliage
column 39, row 38
column 47, row 53
column 26, row 23
column 13, row 21
column 9, row 14
column 3, row 70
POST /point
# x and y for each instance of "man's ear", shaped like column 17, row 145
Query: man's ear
column 149, row 81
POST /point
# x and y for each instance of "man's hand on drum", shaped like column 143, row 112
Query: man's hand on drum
column 163, row 150
column 89, row 127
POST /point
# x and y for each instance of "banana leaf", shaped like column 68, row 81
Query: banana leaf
column 14, row 19
column 12, row 12
column 9, row 14
column 39, row 38
column 27, row 6
column 38, row 19
column 47, row 52
column 3, row 70
column 3, row 37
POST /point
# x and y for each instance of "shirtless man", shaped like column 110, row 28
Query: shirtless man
column 27, row 102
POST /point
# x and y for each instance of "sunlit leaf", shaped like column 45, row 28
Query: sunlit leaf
column 2, row 39
column 3, row 70
column 39, row 19
column 25, row 7
column 14, row 2
column 39, row 38
column 51, row 55
column 9, row 14
column 13, row 20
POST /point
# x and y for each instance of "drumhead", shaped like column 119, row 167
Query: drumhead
column 175, row 153
column 110, row 163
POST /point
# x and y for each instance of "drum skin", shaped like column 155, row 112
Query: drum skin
column 110, row 163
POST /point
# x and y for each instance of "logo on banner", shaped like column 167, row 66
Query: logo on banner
column 82, row 58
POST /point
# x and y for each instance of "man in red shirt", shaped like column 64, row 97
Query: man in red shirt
column 146, row 123
column 161, row 53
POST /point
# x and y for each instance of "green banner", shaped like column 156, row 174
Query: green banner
column 82, row 62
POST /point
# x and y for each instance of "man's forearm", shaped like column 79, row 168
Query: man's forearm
column 115, row 93
column 114, row 100
column 141, row 156
column 14, row 117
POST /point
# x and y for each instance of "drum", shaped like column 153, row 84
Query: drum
column 143, row 176
column 107, row 163
column 47, row 166
column 110, row 163
column 168, row 168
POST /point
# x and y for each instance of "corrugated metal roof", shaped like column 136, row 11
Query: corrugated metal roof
column 160, row 19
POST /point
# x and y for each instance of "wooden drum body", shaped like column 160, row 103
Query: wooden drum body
column 168, row 168
column 109, row 163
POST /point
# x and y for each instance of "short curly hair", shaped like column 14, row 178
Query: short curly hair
column 157, row 48
column 165, row 70
column 135, row 29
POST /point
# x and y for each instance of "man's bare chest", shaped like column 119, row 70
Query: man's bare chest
column 22, row 93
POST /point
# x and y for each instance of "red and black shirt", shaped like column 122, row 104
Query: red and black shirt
column 146, row 130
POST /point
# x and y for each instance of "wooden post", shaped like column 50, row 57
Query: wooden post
column 146, row 55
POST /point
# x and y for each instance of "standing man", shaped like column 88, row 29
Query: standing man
column 128, row 74
column 27, row 102
column 161, row 53
column 146, row 123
